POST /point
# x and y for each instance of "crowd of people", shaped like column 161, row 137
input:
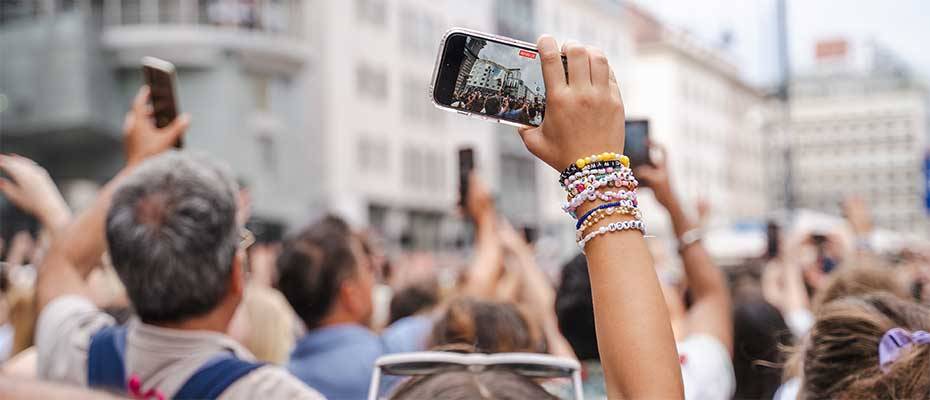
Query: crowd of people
column 156, row 289
column 523, row 110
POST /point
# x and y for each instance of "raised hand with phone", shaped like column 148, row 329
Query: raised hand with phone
column 585, row 117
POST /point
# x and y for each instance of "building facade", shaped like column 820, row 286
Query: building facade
column 70, row 69
column 858, row 125
column 710, row 121
column 391, row 154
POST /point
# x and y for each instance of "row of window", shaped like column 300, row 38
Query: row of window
column 372, row 82
column 419, row 29
column 420, row 168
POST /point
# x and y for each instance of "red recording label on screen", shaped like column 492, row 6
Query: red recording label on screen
column 527, row 54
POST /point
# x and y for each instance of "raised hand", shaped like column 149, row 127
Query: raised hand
column 657, row 176
column 141, row 138
column 31, row 189
column 585, row 112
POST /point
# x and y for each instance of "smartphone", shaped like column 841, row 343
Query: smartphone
column 636, row 146
column 490, row 77
column 772, row 233
column 466, row 165
column 266, row 230
column 160, row 77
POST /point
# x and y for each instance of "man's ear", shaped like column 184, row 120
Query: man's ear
column 349, row 296
column 237, row 275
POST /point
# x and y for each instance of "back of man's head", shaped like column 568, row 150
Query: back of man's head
column 312, row 267
column 574, row 308
column 172, row 236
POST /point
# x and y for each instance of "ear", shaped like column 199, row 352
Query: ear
column 350, row 297
column 237, row 275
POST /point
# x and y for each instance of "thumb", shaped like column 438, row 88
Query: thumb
column 536, row 143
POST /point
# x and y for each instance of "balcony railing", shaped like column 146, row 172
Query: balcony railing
column 278, row 17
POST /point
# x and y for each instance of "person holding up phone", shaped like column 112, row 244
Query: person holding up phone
column 585, row 116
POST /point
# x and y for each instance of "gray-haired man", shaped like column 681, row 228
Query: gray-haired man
column 170, row 224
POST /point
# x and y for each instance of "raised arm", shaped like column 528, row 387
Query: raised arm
column 536, row 292
column 75, row 252
column 710, row 310
column 485, row 269
column 585, row 116
column 32, row 190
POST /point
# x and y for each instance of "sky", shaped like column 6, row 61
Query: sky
column 530, row 70
column 901, row 25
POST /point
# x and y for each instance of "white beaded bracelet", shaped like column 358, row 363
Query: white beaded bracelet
column 613, row 227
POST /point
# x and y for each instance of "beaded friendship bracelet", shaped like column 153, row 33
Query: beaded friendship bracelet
column 616, row 180
column 612, row 227
column 592, row 195
column 568, row 172
column 604, row 214
column 602, row 208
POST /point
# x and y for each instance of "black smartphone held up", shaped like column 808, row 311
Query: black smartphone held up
column 772, row 236
column 636, row 146
column 466, row 165
column 489, row 77
column 160, row 77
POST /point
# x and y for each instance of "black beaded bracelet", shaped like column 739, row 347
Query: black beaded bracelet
column 572, row 169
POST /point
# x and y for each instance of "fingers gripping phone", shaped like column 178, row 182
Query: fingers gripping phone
column 489, row 77
column 160, row 78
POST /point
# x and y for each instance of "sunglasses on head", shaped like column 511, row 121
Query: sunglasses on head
column 424, row 363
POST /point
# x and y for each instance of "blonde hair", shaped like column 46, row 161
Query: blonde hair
column 270, row 335
column 856, row 281
column 841, row 354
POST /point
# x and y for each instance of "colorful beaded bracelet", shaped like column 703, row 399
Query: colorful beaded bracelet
column 593, row 195
column 613, row 227
column 616, row 180
column 622, row 203
column 600, row 208
column 572, row 169
column 594, row 171
column 605, row 156
column 601, row 215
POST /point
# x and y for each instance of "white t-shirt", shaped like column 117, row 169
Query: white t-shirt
column 799, row 322
column 706, row 368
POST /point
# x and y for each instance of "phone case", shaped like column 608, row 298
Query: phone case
column 483, row 35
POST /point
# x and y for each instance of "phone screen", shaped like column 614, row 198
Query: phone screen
column 486, row 77
column 636, row 145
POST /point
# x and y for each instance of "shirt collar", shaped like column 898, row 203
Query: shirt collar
column 167, row 341
column 330, row 337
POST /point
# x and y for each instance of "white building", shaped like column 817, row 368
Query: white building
column 388, row 153
column 488, row 75
column 706, row 116
column 858, row 126
column 70, row 69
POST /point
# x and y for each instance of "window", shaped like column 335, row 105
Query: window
column 373, row 155
column 11, row 10
column 416, row 104
column 371, row 82
column 412, row 168
column 260, row 94
column 371, row 11
column 418, row 31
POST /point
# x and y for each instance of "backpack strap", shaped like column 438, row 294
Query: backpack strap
column 105, row 367
column 215, row 376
